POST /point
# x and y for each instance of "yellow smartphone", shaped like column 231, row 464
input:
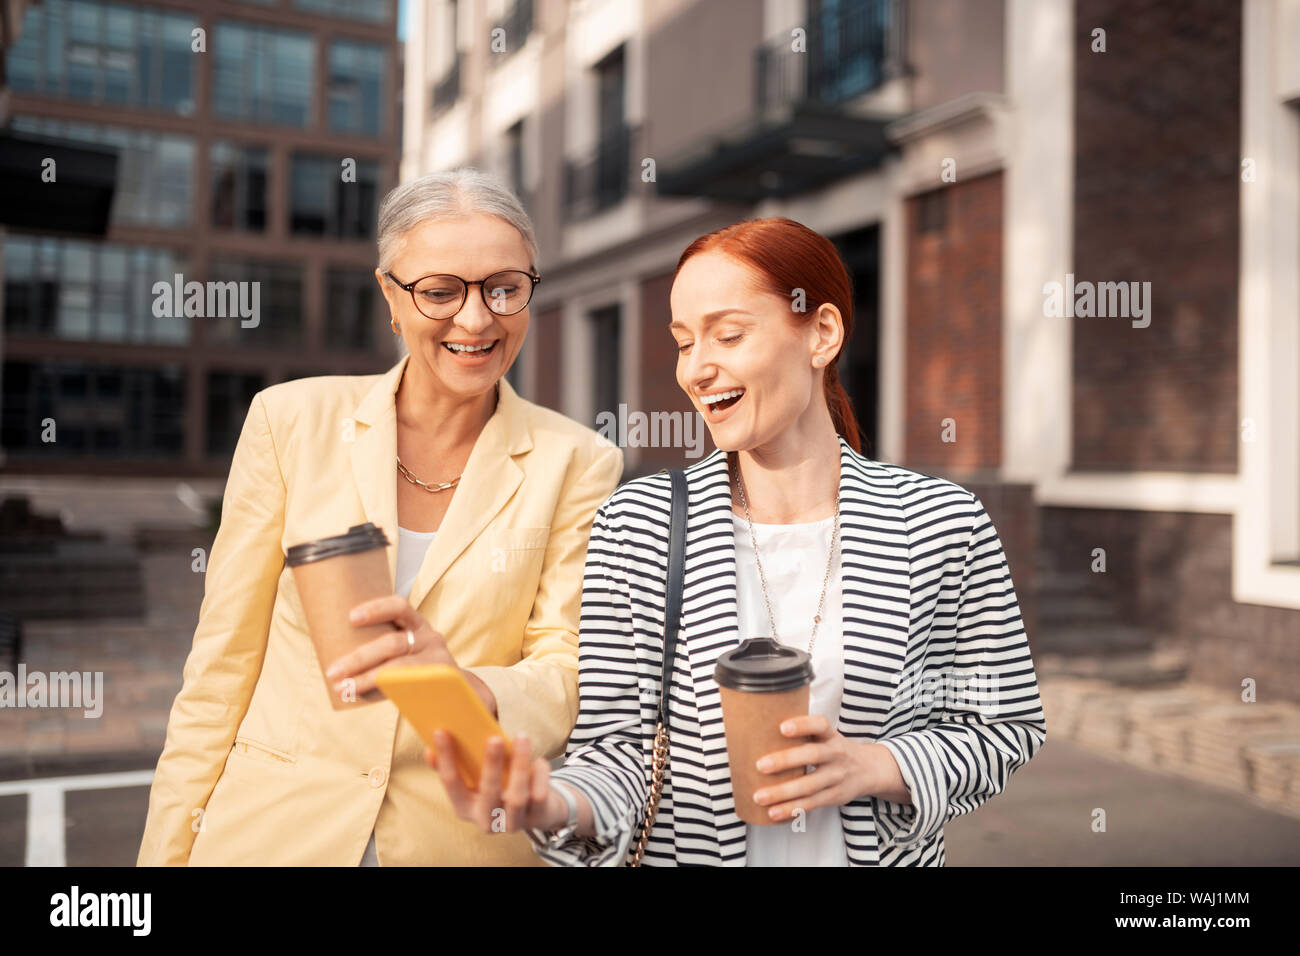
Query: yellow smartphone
column 436, row 697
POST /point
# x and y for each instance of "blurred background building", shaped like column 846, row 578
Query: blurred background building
column 229, row 121
column 962, row 154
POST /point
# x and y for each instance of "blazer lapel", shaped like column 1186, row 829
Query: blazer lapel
column 373, row 433
column 877, row 594
column 490, row 478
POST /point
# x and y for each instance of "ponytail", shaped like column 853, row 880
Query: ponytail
column 841, row 409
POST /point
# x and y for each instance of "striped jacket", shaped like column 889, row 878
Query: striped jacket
column 936, row 667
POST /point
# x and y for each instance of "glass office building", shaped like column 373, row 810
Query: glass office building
column 253, row 140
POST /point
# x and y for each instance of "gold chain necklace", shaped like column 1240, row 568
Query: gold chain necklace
column 427, row 486
column 830, row 561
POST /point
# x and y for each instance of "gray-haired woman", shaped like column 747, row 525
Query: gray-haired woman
column 487, row 501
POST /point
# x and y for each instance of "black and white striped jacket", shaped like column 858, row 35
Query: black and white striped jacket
column 928, row 604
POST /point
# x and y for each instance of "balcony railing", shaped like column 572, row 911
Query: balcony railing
column 447, row 90
column 600, row 180
column 845, row 55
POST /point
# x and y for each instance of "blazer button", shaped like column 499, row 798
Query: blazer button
column 377, row 776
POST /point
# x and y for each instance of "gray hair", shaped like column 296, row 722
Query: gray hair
column 448, row 195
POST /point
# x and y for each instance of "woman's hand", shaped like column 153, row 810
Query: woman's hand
column 845, row 770
column 529, row 800
column 361, row 665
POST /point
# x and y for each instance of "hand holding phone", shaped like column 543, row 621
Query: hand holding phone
column 437, row 697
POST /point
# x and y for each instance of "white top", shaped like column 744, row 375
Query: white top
column 794, row 562
column 411, row 549
column 412, row 546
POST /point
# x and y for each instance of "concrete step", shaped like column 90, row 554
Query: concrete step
column 1155, row 668
column 1089, row 639
column 79, row 579
column 1076, row 609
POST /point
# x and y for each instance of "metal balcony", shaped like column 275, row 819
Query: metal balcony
column 804, row 131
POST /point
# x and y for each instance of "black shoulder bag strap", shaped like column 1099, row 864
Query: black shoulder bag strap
column 672, row 623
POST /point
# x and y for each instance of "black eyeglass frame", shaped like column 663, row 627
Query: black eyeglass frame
column 465, row 284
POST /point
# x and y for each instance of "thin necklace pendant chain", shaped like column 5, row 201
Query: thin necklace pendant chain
column 762, row 579
column 430, row 487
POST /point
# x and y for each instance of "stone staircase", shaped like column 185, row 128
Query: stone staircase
column 47, row 571
column 1084, row 631
column 72, row 578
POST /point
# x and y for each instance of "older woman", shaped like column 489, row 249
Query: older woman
column 488, row 500
column 924, row 698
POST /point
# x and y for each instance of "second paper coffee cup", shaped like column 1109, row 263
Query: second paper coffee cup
column 334, row 575
column 762, row 683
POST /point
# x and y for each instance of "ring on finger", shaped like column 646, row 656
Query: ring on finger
column 410, row 641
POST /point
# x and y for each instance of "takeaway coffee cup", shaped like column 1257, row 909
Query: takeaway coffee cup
column 762, row 683
column 333, row 576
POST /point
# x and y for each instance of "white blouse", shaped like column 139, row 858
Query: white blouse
column 412, row 546
column 794, row 562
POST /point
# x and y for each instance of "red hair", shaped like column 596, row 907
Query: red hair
column 786, row 255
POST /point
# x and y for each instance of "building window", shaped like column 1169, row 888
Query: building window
column 515, row 158
column 323, row 203
column 370, row 11
column 515, row 27
column 445, row 55
column 96, row 410
column 607, row 339
column 356, row 87
column 105, row 53
column 351, row 310
column 89, row 291
column 155, row 171
column 229, row 396
column 600, row 181
column 238, row 186
column 263, row 75
column 277, row 322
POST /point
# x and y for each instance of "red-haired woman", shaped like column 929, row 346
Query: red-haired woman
column 924, row 698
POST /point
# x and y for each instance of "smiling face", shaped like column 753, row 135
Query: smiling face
column 748, row 367
column 467, row 354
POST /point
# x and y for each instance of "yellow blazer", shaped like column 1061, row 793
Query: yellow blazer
column 257, row 767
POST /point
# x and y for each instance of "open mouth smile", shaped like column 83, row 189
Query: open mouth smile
column 469, row 352
column 719, row 404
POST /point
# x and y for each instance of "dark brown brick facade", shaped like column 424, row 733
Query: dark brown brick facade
column 1157, row 139
column 954, row 325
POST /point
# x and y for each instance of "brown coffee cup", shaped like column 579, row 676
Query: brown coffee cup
column 334, row 575
column 762, row 683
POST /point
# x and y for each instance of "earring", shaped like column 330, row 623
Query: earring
column 819, row 361
column 397, row 326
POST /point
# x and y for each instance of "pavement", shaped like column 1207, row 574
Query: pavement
column 1046, row 817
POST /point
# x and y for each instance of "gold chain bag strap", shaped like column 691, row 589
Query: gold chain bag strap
column 672, row 622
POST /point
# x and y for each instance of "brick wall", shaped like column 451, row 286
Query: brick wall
column 1158, row 133
column 954, row 326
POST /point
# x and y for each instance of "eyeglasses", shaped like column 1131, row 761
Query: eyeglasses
column 442, row 296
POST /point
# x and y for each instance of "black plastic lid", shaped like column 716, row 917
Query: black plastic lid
column 764, row 665
column 360, row 537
